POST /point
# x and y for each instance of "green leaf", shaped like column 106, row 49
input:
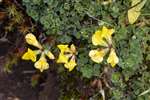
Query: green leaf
column 87, row 71
column 64, row 39
column 148, row 57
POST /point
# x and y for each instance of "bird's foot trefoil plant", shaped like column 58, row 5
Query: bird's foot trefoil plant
column 40, row 64
column 103, row 38
column 67, row 56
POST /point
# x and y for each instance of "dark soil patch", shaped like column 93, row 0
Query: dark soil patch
column 17, row 85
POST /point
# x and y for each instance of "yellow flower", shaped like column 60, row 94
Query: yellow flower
column 62, row 58
column 112, row 59
column 41, row 64
column 63, row 48
column 30, row 55
column 31, row 39
column 97, row 39
column 97, row 55
column 70, row 65
column 101, row 36
column 65, row 53
column 67, row 56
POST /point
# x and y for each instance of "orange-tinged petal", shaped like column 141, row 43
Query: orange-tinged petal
column 49, row 54
column 97, row 55
column 31, row 39
column 112, row 59
column 70, row 65
column 41, row 64
column 30, row 55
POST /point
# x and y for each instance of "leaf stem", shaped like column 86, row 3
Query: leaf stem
column 102, row 21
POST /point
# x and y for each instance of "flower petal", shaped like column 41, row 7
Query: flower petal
column 73, row 48
column 41, row 64
column 31, row 39
column 97, row 39
column 30, row 55
column 107, row 34
column 63, row 48
column 97, row 55
column 62, row 58
column 49, row 54
column 133, row 15
column 70, row 65
column 66, row 54
column 112, row 59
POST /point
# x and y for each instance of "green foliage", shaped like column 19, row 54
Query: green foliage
column 76, row 20
column 140, row 85
column 89, row 71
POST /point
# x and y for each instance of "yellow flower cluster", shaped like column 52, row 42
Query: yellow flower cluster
column 41, row 64
column 103, row 38
column 67, row 54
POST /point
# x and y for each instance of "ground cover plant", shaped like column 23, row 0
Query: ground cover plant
column 76, row 49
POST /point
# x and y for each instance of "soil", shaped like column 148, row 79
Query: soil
column 16, row 85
